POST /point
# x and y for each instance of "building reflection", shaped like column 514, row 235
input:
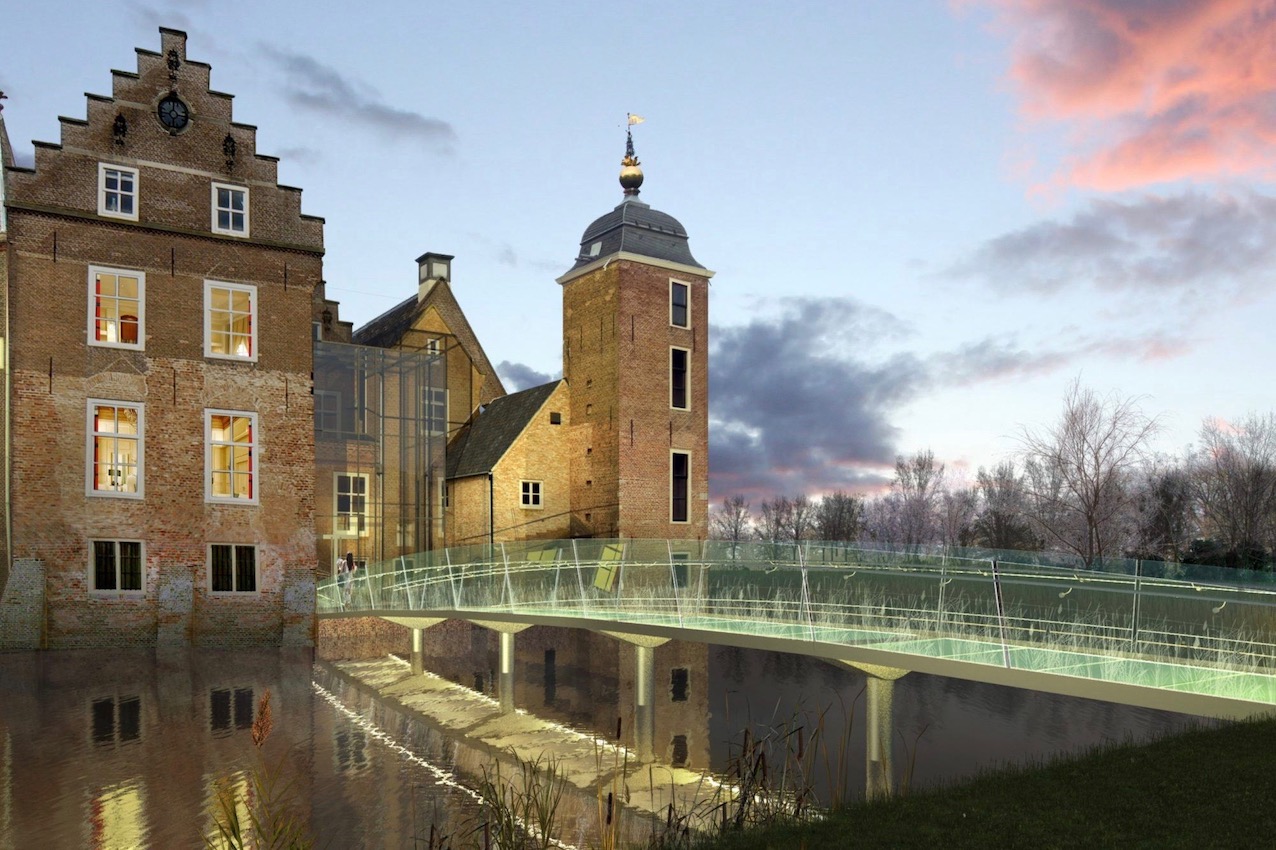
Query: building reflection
column 588, row 681
column 122, row 749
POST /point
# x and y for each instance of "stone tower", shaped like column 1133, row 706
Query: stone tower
column 635, row 354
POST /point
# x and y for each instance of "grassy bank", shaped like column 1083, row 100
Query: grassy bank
column 1203, row 789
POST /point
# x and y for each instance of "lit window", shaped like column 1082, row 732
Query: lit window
column 114, row 449
column 434, row 410
column 531, row 491
column 232, row 569
column 680, row 469
column 678, row 378
column 117, row 566
column 230, row 327
column 230, row 209
column 327, row 410
column 350, row 492
column 679, row 306
column 117, row 191
column 116, row 302
column 232, row 468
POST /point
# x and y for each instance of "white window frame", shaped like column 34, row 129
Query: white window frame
column 94, row 590
column 90, row 452
column 94, row 271
column 686, row 378
column 531, row 495
column 209, row 286
column 327, row 411
column 687, row 286
column 429, row 398
column 103, row 192
column 254, row 454
column 673, row 452
column 234, row 569
column 231, row 231
column 361, row 528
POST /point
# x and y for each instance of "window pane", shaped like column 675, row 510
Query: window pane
column 130, row 719
column 222, row 581
column 219, row 709
column 680, row 476
column 130, row 566
column 243, row 708
column 104, row 565
column 245, row 568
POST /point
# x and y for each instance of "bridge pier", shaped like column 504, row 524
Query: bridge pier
column 418, row 652
column 644, row 691
column 505, row 675
column 879, row 729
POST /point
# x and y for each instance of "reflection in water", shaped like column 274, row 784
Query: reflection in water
column 121, row 748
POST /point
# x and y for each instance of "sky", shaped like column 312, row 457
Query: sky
column 926, row 219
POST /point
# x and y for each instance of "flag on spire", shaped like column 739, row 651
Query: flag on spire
column 635, row 119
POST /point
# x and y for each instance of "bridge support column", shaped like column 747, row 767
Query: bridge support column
column 644, row 690
column 505, row 688
column 418, row 652
column 879, row 728
column 645, row 703
column 879, row 765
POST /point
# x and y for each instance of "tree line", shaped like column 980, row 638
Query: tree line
column 1089, row 485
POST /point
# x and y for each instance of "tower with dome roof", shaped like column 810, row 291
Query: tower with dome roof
column 635, row 356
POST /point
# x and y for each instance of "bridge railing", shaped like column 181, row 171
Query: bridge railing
column 846, row 593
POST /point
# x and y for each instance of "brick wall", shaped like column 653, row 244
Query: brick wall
column 540, row 453
column 617, row 340
column 55, row 236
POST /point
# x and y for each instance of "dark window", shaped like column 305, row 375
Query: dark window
column 551, row 676
column 678, row 684
column 555, row 418
column 678, row 304
column 233, row 568
column 679, row 755
column 681, row 475
column 103, row 721
column 678, row 378
column 130, row 719
column 117, row 565
column 230, row 708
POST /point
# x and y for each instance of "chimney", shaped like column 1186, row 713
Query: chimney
column 431, row 268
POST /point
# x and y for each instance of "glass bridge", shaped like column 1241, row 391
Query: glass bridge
column 1179, row 637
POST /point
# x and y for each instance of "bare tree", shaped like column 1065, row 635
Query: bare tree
column 957, row 511
column 1236, row 484
column 918, row 482
column 773, row 523
column 1166, row 512
column 1002, row 522
column 801, row 518
column 732, row 521
column 839, row 517
column 1079, row 471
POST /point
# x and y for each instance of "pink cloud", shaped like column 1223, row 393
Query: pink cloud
column 1156, row 90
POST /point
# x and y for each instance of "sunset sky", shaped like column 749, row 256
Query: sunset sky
column 926, row 218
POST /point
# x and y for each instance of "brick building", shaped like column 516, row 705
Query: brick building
column 193, row 435
column 159, row 484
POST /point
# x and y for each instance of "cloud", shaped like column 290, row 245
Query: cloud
column 320, row 88
column 791, row 412
column 1156, row 90
column 301, row 155
column 167, row 15
column 1213, row 242
column 517, row 376
column 796, row 406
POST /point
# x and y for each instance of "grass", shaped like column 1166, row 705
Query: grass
column 1204, row 788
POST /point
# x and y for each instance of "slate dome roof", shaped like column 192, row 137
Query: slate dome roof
column 635, row 228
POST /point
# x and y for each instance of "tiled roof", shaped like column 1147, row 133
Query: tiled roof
column 635, row 228
column 483, row 441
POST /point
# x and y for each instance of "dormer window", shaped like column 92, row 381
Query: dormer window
column 595, row 248
column 117, row 191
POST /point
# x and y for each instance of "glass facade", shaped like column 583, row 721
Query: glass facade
column 381, row 424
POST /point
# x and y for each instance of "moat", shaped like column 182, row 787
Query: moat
column 122, row 748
